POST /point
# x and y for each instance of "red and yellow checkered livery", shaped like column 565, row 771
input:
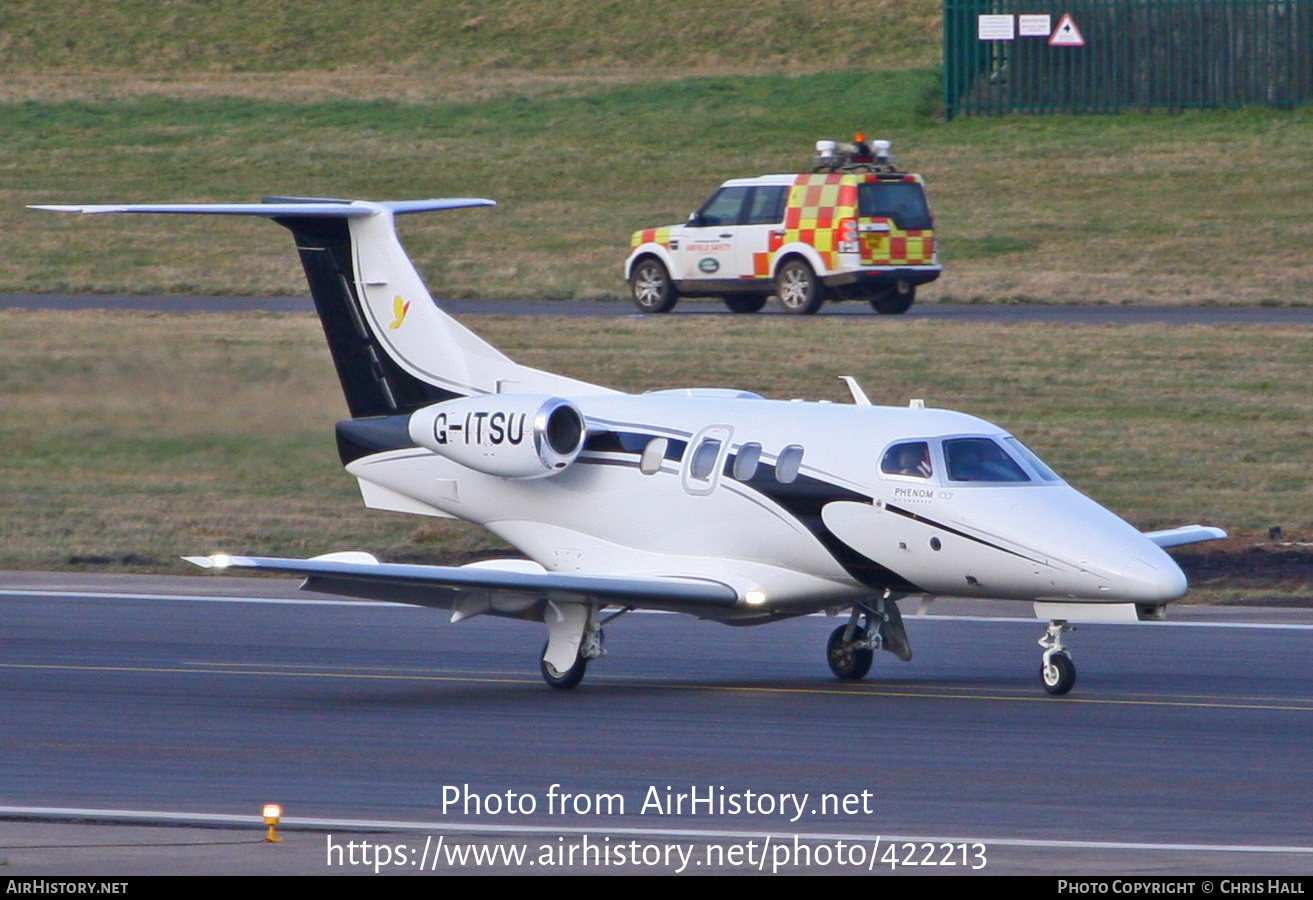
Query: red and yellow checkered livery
column 818, row 207
column 650, row 236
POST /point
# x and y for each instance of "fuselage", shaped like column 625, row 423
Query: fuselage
column 800, row 505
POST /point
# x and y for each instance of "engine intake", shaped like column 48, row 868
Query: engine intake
column 511, row 435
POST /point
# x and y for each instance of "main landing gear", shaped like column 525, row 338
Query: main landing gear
column 851, row 648
column 1057, row 671
column 574, row 637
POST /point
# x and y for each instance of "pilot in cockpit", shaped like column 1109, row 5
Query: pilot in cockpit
column 914, row 459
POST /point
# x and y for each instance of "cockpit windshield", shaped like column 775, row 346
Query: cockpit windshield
column 980, row 459
column 962, row 460
column 911, row 458
column 1037, row 464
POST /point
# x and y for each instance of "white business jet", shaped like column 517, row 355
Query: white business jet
column 712, row 502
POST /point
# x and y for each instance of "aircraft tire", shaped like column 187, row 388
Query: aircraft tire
column 1059, row 675
column 848, row 663
column 566, row 680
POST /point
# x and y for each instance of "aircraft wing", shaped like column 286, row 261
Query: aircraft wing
column 448, row 587
column 1186, row 534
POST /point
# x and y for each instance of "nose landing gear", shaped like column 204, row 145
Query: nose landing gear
column 1057, row 672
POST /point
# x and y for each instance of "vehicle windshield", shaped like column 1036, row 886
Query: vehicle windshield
column 901, row 201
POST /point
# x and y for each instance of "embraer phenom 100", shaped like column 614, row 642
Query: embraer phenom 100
column 712, row 502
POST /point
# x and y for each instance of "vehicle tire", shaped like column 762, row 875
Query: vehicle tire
column 895, row 299
column 1059, row 675
column 563, row 680
column 847, row 662
column 652, row 288
column 745, row 303
column 799, row 289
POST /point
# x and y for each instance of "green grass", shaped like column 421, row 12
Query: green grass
column 134, row 439
column 490, row 35
column 1146, row 207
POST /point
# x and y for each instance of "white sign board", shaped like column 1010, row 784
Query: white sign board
column 1034, row 26
column 996, row 28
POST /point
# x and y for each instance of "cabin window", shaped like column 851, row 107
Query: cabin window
column 980, row 459
column 911, row 458
column 653, row 454
column 704, row 460
column 788, row 464
column 746, row 461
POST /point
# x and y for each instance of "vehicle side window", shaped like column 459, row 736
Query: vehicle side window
column 767, row 205
column 911, row 458
column 725, row 207
column 980, row 459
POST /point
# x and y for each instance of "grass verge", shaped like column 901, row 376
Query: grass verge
column 133, row 439
column 1196, row 208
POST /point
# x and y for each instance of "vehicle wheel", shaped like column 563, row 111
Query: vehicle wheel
column 1059, row 675
column 846, row 661
column 800, row 291
column 653, row 290
column 745, row 303
column 563, row 680
column 895, row 300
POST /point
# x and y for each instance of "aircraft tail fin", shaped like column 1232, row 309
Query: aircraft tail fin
column 394, row 349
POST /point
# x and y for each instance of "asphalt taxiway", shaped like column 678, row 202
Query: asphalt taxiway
column 161, row 713
column 1075, row 314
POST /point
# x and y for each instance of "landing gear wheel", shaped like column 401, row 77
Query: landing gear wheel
column 1059, row 674
column 563, row 680
column 895, row 299
column 745, row 303
column 848, row 661
column 799, row 290
column 652, row 288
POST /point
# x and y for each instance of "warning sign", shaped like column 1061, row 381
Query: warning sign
column 1066, row 34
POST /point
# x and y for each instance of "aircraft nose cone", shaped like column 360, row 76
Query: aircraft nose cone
column 1156, row 581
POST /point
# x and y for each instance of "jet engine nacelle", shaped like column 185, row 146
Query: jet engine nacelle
column 511, row 435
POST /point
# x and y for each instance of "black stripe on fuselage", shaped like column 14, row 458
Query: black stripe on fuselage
column 374, row 384
column 916, row 517
column 803, row 499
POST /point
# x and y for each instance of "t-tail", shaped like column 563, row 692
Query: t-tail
column 395, row 350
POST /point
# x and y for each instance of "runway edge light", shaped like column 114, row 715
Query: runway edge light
column 272, row 813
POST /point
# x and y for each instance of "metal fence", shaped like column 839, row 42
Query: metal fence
column 1125, row 54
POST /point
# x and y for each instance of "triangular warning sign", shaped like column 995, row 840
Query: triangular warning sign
column 1066, row 34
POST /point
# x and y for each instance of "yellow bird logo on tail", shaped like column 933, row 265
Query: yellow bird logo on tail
column 399, row 309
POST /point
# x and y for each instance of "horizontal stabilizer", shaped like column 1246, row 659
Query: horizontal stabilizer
column 1186, row 534
column 283, row 208
column 433, row 585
